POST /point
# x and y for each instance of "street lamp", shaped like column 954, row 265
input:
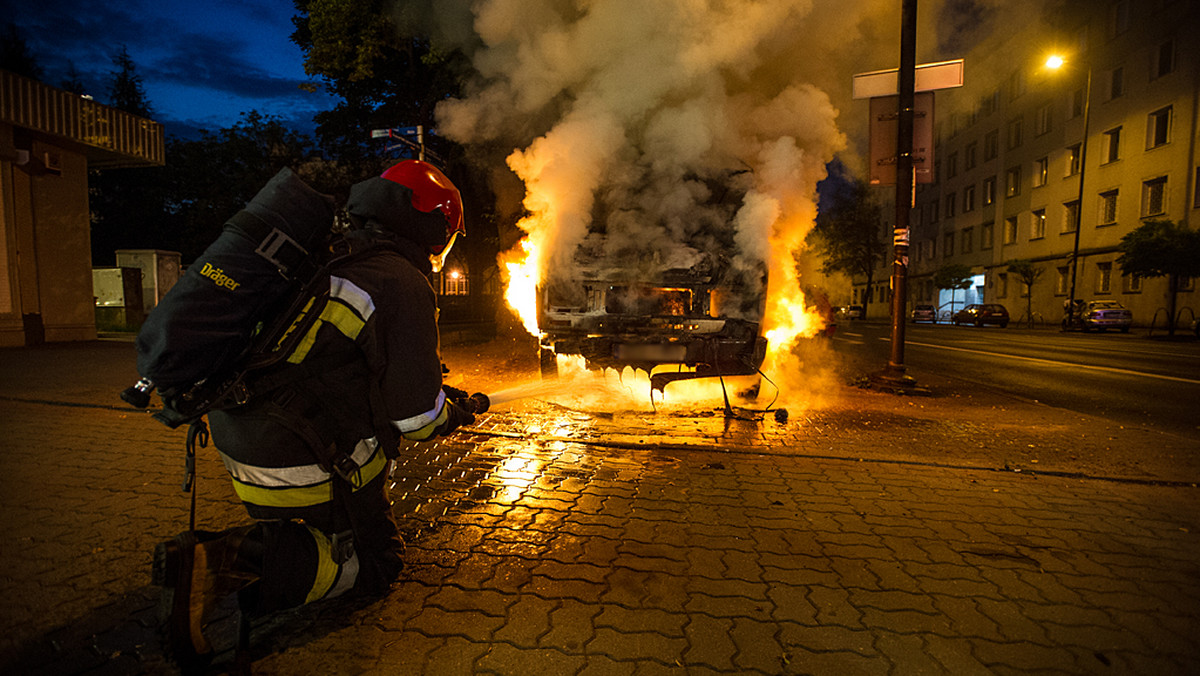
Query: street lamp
column 1054, row 63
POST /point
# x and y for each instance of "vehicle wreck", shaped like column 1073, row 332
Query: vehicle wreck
column 678, row 312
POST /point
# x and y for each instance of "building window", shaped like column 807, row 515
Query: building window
column 968, row 240
column 1002, row 285
column 1037, row 229
column 1070, row 216
column 985, row 235
column 1042, row 125
column 1116, row 83
column 1077, row 103
column 1118, row 18
column 1158, row 128
column 951, row 167
column 933, row 211
column 1104, row 278
column 989, row 189
column 1041, row 170
column 969, row 156
column 948, row 245
column 1164, row 60
column 950, row 205
column 1062, row 278
column 1016, row 84
column 930, row 249
column 991, row 145
column 1112, row 145
column 454, row 283
column 1073, row 155
column 1108, row 207
column 1131, row 283
column 1010, row 230
column 1154, row 197
column 1014, row 133
column 1012, row 182
column 968, row 198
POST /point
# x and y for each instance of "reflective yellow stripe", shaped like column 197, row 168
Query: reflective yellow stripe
column 327, row 570
column 306, row 496
column 340, row 316
column 299, row 496
column 426, row 432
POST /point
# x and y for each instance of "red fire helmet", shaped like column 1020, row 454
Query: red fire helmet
column 431, row 190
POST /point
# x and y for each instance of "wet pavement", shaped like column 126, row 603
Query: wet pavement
column 960, row 533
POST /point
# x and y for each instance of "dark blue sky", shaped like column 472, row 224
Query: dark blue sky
column 203, row 63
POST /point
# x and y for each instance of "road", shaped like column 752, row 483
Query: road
column 1127, row 378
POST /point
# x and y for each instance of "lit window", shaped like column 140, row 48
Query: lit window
column 1073, row 155
column 1012, row 182
column 989, row 189
column 1037, row 229
column 454, row 283
column 1041, row 170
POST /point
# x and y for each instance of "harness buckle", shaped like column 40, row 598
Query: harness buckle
column 345, row 467
column 341, row 546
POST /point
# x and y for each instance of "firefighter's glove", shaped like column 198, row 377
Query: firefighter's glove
column 456, row 416
column 454, row 393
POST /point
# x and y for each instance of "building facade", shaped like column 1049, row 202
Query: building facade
column 49, row 139
column 1024, row 152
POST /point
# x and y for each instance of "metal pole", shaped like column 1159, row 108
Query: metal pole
column 904, row 182
column 1087, row 100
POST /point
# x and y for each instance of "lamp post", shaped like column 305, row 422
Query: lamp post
column 1054, row 63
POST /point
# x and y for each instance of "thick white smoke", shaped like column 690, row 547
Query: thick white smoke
column 648, row 113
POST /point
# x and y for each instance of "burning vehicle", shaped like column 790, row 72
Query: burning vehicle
column 687, row 309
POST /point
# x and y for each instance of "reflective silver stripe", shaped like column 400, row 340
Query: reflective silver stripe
column 297, row 475
column 418, row 421
column 350, row 294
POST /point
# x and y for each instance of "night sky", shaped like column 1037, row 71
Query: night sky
column 202, row 63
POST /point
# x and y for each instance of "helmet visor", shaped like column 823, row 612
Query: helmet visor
column 438, row 259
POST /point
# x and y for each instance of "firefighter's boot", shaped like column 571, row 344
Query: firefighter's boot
column 198, row 569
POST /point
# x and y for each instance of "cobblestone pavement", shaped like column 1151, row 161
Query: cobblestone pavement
column 547, row 540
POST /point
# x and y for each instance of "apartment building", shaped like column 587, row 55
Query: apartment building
column 1025, row 151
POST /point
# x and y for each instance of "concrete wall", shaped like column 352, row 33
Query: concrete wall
column 45, row 265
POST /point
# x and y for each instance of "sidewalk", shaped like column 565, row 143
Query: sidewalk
column 959, row 533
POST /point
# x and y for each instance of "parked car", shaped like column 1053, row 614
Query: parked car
column 1098, row 315
column 851, row 312
column 924, row 313
column 980, row 314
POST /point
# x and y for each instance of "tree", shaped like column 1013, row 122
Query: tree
column 127, row 205
column 209, row 179
column 849, row 233
column 387, row 73
column 15, row 55
column 1162, row 248
column 952, row 276
column 125, row 90
column 1027, row 273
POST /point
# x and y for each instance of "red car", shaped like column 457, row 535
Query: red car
column 981, row 314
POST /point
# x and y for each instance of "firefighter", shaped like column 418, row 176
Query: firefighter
column 309, row 453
